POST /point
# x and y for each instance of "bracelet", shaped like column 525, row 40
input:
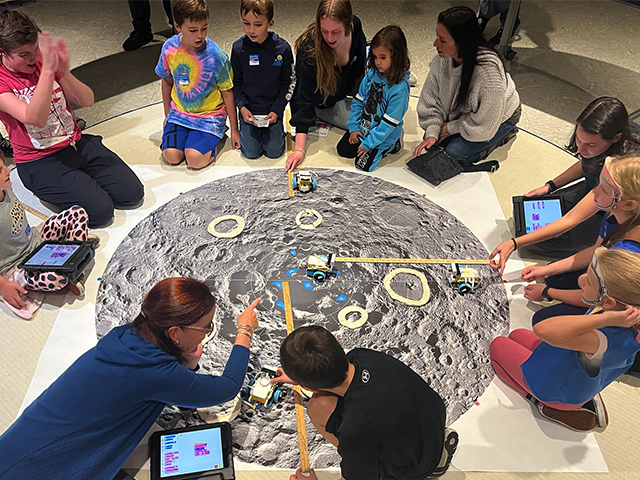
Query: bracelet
column 248, row 328
column 552, row 186
column 244, row 333
column 515, row 245
column 545, row 293
column 304, row 154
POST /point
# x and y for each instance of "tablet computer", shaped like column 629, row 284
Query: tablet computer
column 200, row 452
column 532, row 213
column 59, row 256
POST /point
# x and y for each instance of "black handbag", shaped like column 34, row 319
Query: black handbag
column 435, row 166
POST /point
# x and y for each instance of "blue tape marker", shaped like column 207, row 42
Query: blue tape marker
column 307, row 285
column 341, row 298
column 291, row 272
column 277, row 284
column 280, row 304
column 293, row 252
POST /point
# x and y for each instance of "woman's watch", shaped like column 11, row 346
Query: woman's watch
column 545, row 294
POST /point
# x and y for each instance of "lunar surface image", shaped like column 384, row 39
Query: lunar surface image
column 445, row 340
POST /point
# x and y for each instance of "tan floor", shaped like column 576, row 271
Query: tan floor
column 135, row 138
column 568, row 52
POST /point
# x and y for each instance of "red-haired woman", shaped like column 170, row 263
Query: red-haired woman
column 87, row 423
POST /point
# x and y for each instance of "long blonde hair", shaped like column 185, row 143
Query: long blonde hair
column 620, row 276
column 324, row 56
column 625, row 171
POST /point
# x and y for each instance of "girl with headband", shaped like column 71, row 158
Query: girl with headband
column 618, row 193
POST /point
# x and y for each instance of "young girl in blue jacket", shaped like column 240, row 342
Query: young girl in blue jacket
column 375, row 123
column 567, row 360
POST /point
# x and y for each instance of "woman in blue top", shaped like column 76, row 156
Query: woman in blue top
column 564, row 364
column 375, row 122
column 87, row 423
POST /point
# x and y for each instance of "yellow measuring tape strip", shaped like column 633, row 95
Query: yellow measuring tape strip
column 481, row 261
column 290, row 175
column 32, row 210
column 287, row 127
column 297, row 394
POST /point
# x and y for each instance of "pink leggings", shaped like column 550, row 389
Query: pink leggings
column 507, row 355
column 70, row 224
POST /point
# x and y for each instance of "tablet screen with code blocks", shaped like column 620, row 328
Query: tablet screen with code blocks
column 202, row 452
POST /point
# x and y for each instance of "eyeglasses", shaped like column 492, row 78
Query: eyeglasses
column 602, row 291
column 208, row 329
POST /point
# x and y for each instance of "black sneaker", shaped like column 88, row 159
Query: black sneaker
column 449, row 449
column 136, row 40
column 5, row 147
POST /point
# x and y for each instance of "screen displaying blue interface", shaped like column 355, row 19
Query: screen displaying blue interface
column 191, row 452
column 52, row 255
column 538, row 213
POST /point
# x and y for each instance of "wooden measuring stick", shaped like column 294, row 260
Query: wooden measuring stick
column 32, row 210
column 297, row 394
column 290, row 176
column 480, row 261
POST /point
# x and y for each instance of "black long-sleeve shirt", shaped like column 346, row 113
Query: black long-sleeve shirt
column 263, row 79
column 307, row 96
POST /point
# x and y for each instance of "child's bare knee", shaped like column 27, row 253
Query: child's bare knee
column 173, row 156
column 197, row 160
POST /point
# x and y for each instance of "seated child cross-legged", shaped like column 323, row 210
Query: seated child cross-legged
column 262, row 80
column 564, row 364
column 406, row 442
column 18, row 240
column 196, row 90
column 375, row 123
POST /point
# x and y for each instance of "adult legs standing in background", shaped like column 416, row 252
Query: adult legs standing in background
column 141, row 20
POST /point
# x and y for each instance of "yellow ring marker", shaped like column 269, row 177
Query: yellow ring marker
column 231, row 233
column 342, row 316
column 426, row 292
column 308, row 213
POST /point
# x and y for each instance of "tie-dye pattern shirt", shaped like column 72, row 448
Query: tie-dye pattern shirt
column 198, row 79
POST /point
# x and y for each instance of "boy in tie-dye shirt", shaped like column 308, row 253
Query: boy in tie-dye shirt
column 197, row 93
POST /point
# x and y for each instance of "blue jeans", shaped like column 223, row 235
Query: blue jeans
column 557, row 311
column 466, row 152
column 254, row 141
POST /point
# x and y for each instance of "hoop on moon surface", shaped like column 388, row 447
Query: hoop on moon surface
column 308, row 213
column 231, row 233
column 342, row 316
column 426, row 292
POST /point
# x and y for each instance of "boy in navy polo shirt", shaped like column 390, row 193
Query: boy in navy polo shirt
column 263, row 81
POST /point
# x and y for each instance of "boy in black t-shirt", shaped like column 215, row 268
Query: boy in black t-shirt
column 385, row 420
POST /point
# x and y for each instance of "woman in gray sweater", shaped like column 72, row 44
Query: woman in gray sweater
column 468, row 102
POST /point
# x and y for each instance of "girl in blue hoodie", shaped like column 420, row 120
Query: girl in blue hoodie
column 375, row 123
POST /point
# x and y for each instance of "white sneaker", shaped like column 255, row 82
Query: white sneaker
column 413, row 79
